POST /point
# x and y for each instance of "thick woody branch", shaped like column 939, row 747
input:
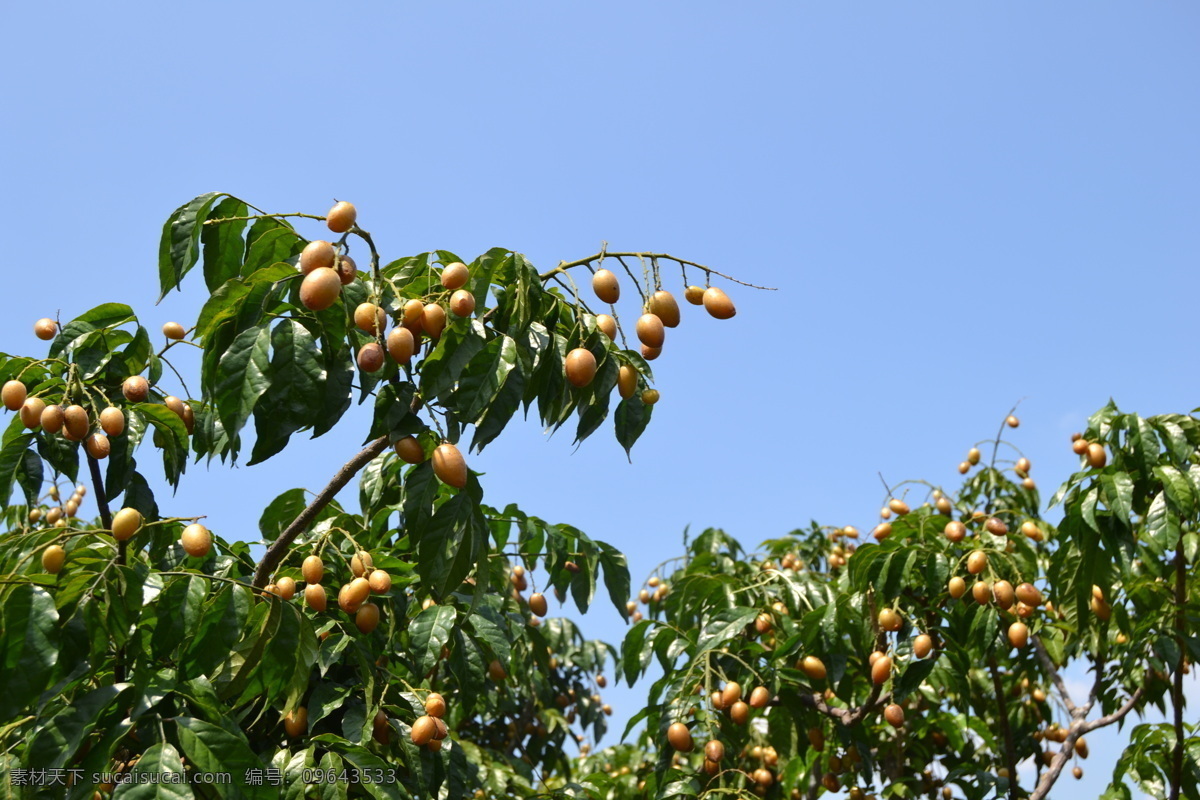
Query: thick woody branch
column 279, row 549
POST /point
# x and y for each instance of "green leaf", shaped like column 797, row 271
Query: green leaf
column 1118, row 494
column 12, row 455
column 501, row 409
column 393, row 405
column 222, row 242
column 483, row 377
column 29, row 644
column 61, row 736
column 446, row 549
column 428, row 633
column 616, row 576
column 293, row 399
column 632, row 417
column 79, row 331
column 280, row 513
column 159, row 776
column 242, row 377
column 30, row 475
column 212, row 749
column 172, row 439
column 724, row 626
column 459, row 343
column 179, row 247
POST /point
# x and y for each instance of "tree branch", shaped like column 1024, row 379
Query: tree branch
column 566, row 265
column 1044, row 657
column 279, row 548
column 1010, row 753
column 1177, row 686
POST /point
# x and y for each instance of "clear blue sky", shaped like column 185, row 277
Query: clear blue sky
column 962, row 205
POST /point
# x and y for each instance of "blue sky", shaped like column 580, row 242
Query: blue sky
column 963, row 206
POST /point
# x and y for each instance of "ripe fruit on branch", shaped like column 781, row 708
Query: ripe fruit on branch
column 715, row 750
column 341, row 217
column 313, row 569
column 401, row 345
column 651, row 353
column 53, row 558
column 112, row 421
column 316, row 254
column 296, row 722
column 957, row 587
column 370, row 357
column 759, row 697
column 973, row 456
column 462, row 303
column 173, row 330
column 45, row 329
column 580, row 367
column 31, row 412
column 320, row 289
column 680, row 737
column 922, row 645
column 380, row 581
column 353, row 595
column 75, row 423
column 607, row 325
column 813, row 667
column 423, row 730
column 739, row 712
column 409, row 449
column 890, row 620
column 650, row 330
column 413, row 314
column 537, row 604
column 882, row 531
column 1012, row 421
column 955, row 531
column 731, row 693
column 125, row 523
column 718, row 304
column 435, row 705
column 97, row 446
column 496, row 671
column 977, row 562
column 650, row 396
column 663, row 305
column 894, row 715
column 286, row 587
column 366, row 619
column 136, row 389
column 1018, row 634
column 604, row 284
column 627, row 380
column 196, row 540
column 455, row 275
column 694, row 295
column 433, row 320
column 1096, row 457
column 881, row 670
column 315, row 597
column 449, row 466
column 1002, row 590
column 346, row 269
column 898, row 506
column 982, row 592
column 13, row 395
column 370, row 318
column 1028, row 594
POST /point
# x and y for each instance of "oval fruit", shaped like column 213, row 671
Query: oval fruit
column 136, row 389
column 922, row 645
column 435, row 705
column 75, row 423
column 316, row 254
column 366, row 619
column 112, row 421
column 357, row 592
column 604, row 284
column 423, row 730
column 881, row 670
column 982, row 592
column 31, row 412
column 607, row 325
column 731, row 693
column 409, row 449
column 125, row 523
column 1018, row 634
column 341, row 217
column 718, row 304
column 694, row 295
column 957, row 587
column 813, row 667
column 1079, row 446
column 537, row 604
column 650, row 396
column 196, row 540
column 320, row 289
column 455, row 275
column 627, row 381
column 714, row 751
column 496, row 671
column 964, row 468
column 401, row 345
column 97, row 446
column 449, row 466
column 898, row 506
column 663, row 305
column 296, row 722
column 651, row 353
column 433, row 320
column 313, row 569
column 14, row 395
column 53, row 558
column 370, row 357
column 315, row 597
column 996, row 527
column 370, row 318
column 1012, row 421
column 977, row 562
column 580, row 367
column 346, row 269
column 760, row 697
column 943, row 506
column 680, row 737
column 45, row 329
column 462, row 303
column 739, row 712
column 1028, row 594
column 1004, row 594
column 285, row 587
column 380, row 581
column 882, row 531
column 973, row 456
column 1096, row 457
column 894, row 715
column 650, row 330
column 889, row 620
column 955, row 531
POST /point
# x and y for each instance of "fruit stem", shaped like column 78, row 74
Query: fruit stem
column 219, row 220
column 566, row 265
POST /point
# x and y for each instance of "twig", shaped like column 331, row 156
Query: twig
column 219, row 220
column 1044, row 657
column 566, row 265
column 1010, row 756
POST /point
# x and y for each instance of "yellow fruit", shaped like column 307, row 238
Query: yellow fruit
column 650, row 330
column 881, row 670
column 651, row 353
column 882, row 531
column 346, row 269
column 112, row 421
column 714, row 751
column 401, row 345
column 680, row 737
column 358, row 565
column 650, row 396
column 370, row 318
column 739, row 712
column 718, row 304
column 1004, row 594
column 894, row 715
column 435, row 705
column 341, row 217
column 982, row 592
column 366, row 619
column 423, row 730
column 409, row 449
column 285, row 587
column 1012, row 421
column 759, row 697
column 943, row 506
column 957, row 587
column 627, row 381
column 922, row 645
column 353, row 595
column 955, row 531
column 370, row 357
column 433, row 320
column 53, row 516
column 296, row 722
column 898, row 506
column 731, row 693
column 455, row 276
column 963, row 468
column 1079, row 446
column 316, row 254
column 607, row 325
column 315, row 597
column 125, row 523
column 196, row 540
column 537, row 604
column 379, row 581
column 663, row 305
column 136, row 389
column 449, row 466
column 996, row 527
column 1096, row 457
column 694, row 295
column 13, row 395
column 53, row 558
column 977, row 562
column 813, row 667
column 45, row 329
column 580, row 367
column 889, row 620
column 973, row 456
column 1028, row 594
column 31, row 412
column 320, row 289
column 97, row 446
column 313, row 569
column 75, row 423
column 462, row 303
column 173, row 330
column 604, row 284
column 1018, row 634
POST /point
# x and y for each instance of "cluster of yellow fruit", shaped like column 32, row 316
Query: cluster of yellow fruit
column 353, row 597
column 647, row 597
column 56, row 516
column 430, row 729
column 448, row 463
column 196, row 539
column 1092, row 452
column 538, row 605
